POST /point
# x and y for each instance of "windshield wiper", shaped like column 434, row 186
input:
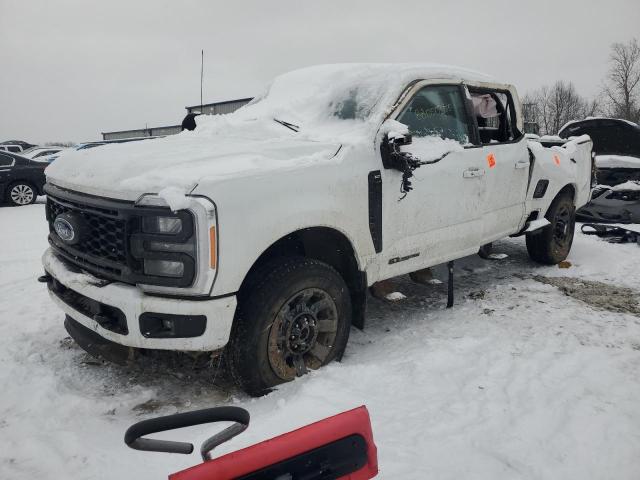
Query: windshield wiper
column 290, row 126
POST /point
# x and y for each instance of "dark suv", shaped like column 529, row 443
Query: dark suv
column 21, row 179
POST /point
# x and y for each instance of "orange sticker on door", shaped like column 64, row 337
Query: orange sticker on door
column 491, row 160
column 556, row 158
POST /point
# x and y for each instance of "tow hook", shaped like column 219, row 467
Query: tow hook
column 46, row 278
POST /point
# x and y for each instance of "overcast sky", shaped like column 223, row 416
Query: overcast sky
column 72, row 69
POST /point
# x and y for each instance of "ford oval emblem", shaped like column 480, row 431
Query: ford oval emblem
column 64, row 229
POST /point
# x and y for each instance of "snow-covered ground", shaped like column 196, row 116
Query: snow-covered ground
column 519, row 380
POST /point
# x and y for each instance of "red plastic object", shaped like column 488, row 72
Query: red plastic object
column 283, row 447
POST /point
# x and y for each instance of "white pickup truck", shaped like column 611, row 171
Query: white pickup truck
column 259, row 233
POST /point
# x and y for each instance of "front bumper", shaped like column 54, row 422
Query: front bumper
column 132, row 303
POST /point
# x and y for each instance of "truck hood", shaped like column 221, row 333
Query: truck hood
column 179, row 163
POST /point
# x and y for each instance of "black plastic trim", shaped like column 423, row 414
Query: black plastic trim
column 183, row 326
column 541, row 188
column 375, row 209
column 333, row 460
column 108, row 317
column 132, row 270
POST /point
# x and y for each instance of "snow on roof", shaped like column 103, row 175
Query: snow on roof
column 327, row 106
column 314, row 96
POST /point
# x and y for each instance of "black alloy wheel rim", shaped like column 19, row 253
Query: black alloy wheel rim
column 303, row 333
column 562, row 226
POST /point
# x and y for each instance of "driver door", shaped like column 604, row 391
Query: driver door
column 440, row 219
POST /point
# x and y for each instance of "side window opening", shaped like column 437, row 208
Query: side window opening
column 437, row 111
column 493, row 112
column 5, row 161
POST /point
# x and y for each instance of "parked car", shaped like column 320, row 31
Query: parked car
column 89, row 145
column 21, row 179
column 11, row 148
column 260, row 231
column 39, row 153
column 616, row 146
column 15, row 146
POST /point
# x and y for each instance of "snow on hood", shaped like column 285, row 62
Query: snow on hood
column 329, row 104
column 178, row 163
column 628, row 185
column 617, row 161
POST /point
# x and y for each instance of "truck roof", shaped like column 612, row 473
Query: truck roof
column 313, row 97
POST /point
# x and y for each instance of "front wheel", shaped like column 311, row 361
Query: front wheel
column 551, row 245
column 295, row 317
column 21, row 193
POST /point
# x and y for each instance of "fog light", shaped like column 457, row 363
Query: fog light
column 168, row 225
column 165, row 325
column 163, row 268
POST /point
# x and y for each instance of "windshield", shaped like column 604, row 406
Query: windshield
column 320, row 95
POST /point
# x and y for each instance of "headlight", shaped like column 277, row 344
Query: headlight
column 165, row 225
column 163, row 268
column 175, row 251
column 164, row 246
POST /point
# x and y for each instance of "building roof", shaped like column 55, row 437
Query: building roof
column 213, row 104
column 141, row 129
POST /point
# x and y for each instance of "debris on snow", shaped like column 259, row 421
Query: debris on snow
column 395, row 296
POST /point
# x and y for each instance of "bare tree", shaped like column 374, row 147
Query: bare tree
column 553, row 106
column 622, row 89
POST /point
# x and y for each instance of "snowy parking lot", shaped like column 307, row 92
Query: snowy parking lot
column 533, row 374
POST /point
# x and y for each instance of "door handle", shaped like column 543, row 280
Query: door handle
column 473, row 172
column 522, row 164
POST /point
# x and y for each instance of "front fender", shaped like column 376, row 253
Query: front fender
column 255, row 213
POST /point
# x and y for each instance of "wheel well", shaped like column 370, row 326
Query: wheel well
column 567, row 189
column 570, row 189
column 329, row 246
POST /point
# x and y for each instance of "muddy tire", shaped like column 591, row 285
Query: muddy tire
column 294, row 317
column 551, row 245
column 21, row 193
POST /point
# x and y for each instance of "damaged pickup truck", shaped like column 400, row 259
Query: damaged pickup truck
column 259, row 233
column 616, row 147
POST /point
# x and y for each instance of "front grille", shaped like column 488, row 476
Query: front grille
column 112, row 243
column 106, row 236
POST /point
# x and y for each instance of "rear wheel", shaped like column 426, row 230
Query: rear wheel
column 551, row 245
column 21, row 193
column 294, row 318
column 485, row 251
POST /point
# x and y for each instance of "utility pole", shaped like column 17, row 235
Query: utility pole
column 201, row 77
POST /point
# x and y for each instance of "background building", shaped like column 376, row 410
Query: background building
column 216, row 108
column 219, row 107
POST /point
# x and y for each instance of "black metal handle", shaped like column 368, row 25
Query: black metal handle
column 132, row 436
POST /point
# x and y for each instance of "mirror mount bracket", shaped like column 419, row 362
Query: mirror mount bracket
column 394, row 158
